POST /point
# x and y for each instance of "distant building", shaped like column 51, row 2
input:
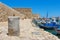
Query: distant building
column 23, row 13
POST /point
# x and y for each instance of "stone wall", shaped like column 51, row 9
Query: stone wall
column 23, row 13
column 36, row 16
column 27, row 12
column 24, row 10
column 6, row 11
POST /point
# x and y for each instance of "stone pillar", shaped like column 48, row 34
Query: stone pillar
column 13, row 26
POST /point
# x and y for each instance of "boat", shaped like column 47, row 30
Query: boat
column 48, row 25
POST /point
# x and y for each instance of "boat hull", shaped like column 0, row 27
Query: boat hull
column 46, row 27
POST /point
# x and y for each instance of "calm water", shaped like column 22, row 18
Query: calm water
column 53, row 32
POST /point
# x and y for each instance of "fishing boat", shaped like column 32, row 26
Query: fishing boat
column 48, row 25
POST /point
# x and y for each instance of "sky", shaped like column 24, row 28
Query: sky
column 41, row 7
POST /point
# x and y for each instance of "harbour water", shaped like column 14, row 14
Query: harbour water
column 52, row 31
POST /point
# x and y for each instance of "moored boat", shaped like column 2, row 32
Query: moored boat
column 48, row 25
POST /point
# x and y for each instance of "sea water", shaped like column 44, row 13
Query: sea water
column 52, row 31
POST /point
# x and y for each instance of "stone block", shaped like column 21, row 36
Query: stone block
column 13, row 26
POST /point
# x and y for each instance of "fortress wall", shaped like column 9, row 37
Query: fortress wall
column 5, row 12
column 23, row 13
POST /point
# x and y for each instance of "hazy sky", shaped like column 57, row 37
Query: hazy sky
column 38, row 6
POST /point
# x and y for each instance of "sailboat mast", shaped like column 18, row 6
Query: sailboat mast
column 47, row 15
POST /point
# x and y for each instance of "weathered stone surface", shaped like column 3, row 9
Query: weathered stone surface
column 27, row 12
column 23, row 13
column 13, row 26
column 6, row 11
column 24, row 10
column 26, row 32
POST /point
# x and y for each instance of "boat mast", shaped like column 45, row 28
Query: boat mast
column 47, row 15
